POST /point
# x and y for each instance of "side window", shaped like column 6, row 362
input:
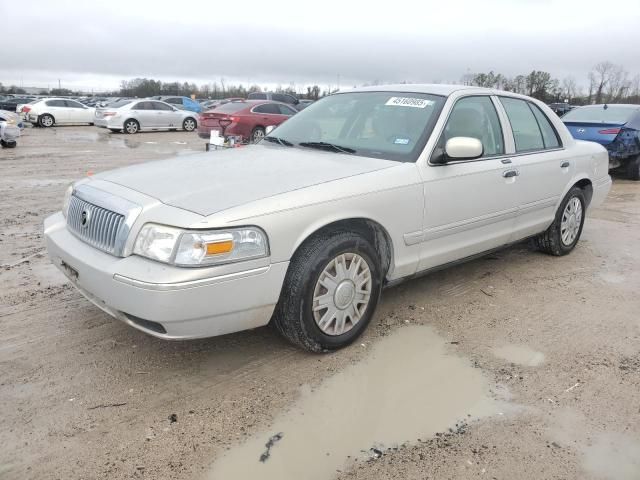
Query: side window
column 526, row 131
column 161, row 106
column 140, row 106
column 475, row 117
column 285, row 110
column 549, row 135
column 56, row 103
column 270, row 108
column 72, row 104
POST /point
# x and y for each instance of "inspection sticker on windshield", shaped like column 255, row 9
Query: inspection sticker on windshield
column 409, row 102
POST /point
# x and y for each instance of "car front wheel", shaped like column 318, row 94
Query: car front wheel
column 563, row 234
column 189, row 124
column 330, row 292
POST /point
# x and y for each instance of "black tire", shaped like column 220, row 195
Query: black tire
column 9, row 144
column 189, row 124
column 551, row 241
column 293, row 316
column 257, row 134
column 633, row 168
column 131, row 126
column 45, row 120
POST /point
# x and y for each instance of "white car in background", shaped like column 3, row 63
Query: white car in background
column 359, row 190
column 57, row 111
column 135, row 115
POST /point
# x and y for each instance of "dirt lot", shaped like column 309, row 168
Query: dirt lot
column 517, row 365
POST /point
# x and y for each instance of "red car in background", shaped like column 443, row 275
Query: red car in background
column 248, row 118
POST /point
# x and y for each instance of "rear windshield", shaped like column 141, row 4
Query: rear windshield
column 119, row 103
column 599, row 114
column 231, row 107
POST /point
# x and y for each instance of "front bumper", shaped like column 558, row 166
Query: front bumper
column 205, row 307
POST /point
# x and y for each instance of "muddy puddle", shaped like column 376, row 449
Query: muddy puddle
column 408, row 387
column 520, row 355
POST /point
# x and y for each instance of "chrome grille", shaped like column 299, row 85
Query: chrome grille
column 94, row 225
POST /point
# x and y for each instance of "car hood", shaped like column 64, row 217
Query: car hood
column 212, row 182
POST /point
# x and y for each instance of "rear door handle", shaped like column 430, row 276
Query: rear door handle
column 564, row 165
column 510, row 173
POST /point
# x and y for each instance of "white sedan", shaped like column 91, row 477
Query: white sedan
column 135, row 115
column 360, row 190
column 57, row 111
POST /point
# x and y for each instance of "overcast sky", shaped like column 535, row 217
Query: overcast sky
column 97, row 44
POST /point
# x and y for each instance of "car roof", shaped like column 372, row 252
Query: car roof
column 434, row 89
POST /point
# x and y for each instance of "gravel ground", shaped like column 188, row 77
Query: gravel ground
column 540, row 360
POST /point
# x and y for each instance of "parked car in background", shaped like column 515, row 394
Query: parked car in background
column 616, row 127
column 276, row 97
column 561, row 108
column 57, row 111
column 246, row 118
column 210, row 104
column 10, row 126
column 304, row 229
column 11, row 104
column 183, row 103
column 133, row 116
column 304, row 104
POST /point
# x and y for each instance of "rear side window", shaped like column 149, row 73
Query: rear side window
column 270, row 108
column 549, row 134
column 526, row 131
column 161, row 106
column 285, row 110
column 56, row 103
column 141, row 106
column 73, row 104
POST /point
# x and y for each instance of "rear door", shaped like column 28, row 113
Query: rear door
column 542, row 164
column 470, row 205
column 59, row 110
column 78, row 113
column 145, row 115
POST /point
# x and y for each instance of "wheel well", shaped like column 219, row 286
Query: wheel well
column 46, row 113
column 130, row 118
column 587, row 188
column 369, row 229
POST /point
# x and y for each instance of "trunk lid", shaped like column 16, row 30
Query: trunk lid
column 602, row 133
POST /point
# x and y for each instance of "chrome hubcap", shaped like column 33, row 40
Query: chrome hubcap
column 571, row 220
column 47, row 121
column 132, row 127
column 188, row 125
column 257, row 136
column 341, row 294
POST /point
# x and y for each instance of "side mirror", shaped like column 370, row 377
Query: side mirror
column 463, row 148
column 269, row 129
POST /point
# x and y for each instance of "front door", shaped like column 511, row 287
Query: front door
column 470, row 206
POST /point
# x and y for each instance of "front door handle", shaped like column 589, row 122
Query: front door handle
column 564, row 165
column 510, row 173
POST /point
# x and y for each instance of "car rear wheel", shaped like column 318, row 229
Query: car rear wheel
column 257, row 134
column 46, row 120
column 563, row 234
column 633, row 168
column 330, row 292
column 131, row 126
column 189, row 124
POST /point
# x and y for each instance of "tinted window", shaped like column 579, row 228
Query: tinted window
column 270, row 108
column 161, row 106
column 72, row 104
column 524, row 124
column 283, row 97
column 549, row 135
column 56, row 103
column 475, row 117
column 600, row 114
column 257, row 96
column 284, row 110
column 140, row 106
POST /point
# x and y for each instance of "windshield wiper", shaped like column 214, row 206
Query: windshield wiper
column 281, row 141
column 325, row 145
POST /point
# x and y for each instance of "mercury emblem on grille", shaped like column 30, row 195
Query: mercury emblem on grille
column 85, row 218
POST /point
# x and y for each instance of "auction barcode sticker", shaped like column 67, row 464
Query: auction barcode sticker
column 409, row 102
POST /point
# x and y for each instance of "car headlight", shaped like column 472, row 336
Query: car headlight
column 67, row 200
column 191, row 248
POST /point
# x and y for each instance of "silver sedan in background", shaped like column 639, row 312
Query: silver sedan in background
column 133, row 116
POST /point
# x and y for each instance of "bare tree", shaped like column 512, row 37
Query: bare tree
column 619, row 84
column 569, row 88
column 601, row 76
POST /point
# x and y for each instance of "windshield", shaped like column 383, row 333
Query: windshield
column 599, row 114
column 388, row 125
